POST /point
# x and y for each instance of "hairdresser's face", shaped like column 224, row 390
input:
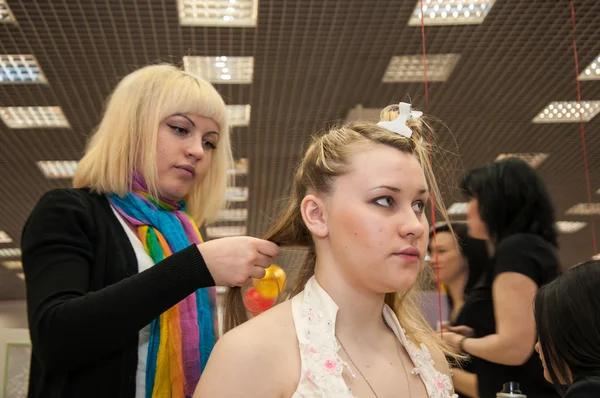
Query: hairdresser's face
column 185, row 147
column 376, row 220
column 476, row 227
column 451, row 264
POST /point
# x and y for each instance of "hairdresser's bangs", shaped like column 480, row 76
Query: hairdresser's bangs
column 197, row 97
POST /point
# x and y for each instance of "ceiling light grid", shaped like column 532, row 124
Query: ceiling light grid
column 226, row 231
column 592, row 71
column 532, row 159
column 221, row 69
column 16, row 69
column 240, row 167
column 5, row 238
column 451, row 12
column 54, row 169
column 568, row 112
column 232, row 13
column 234, row 215
column 237, row 194
column 10, row 252
column 27, row 117
column 569, row 227
column 585, row 209
column 409, row 68
column 12, row 265
column 238, row 115
column 6, row 15
column 458, row 208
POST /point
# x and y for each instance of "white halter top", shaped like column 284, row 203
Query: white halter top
column 314, row 313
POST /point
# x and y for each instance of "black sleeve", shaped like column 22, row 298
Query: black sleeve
column 525, row 254
column 70, row 325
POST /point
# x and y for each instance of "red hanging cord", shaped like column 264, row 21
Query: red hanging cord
column 581, row 125
column 437, row 273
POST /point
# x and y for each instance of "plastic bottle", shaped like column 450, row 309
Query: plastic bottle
column 510, row 390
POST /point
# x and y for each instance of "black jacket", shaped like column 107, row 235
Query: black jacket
column 86, row 301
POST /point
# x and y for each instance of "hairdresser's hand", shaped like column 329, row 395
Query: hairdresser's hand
column 451, row 339
column 462, row 330
column 232, row 261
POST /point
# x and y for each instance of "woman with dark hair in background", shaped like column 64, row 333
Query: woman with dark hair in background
column 511, row 209
column 460, row 261
column 566, row 314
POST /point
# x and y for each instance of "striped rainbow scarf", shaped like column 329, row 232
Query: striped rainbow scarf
column 182, row 338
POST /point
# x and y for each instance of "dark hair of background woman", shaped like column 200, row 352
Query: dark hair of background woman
column 567, row 317
column 512, row 199
column 474, row 251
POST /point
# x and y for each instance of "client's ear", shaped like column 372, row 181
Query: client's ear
column 313, row 214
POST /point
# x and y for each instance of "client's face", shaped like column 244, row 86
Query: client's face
column 376, row 220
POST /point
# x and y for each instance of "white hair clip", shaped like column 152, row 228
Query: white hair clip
column 398, row 125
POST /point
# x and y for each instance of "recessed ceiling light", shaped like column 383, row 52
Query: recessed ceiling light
column 238, row 115
column 58, row 168
column 10, row 253
column 28, row 117
column 21, row 275
column 409, row 68
column 12, row 264
column 233, row 215
column 592, row 72
column 569, row 227
column 237, row 194
column 584, row 209
column 4, row 238
column 458, row 208
column 20, row 69
column 240, row 167
column 532, row 159
column 6, row 16
column 225, row 231
column 233, row 13
column 567, row 112
column 224, row 70
column 451, row 12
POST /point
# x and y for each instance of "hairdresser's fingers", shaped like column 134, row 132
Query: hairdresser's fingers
column 257, row 272
column 267, row 248
column 262, row 261
column 462, row 330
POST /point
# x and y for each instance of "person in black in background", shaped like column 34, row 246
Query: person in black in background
column 460, row 261
column 511, row 209
column 566, row 314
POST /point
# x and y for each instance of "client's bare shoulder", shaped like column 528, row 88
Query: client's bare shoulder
column 257, row 359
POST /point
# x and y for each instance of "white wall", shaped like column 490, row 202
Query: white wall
column 13, row 329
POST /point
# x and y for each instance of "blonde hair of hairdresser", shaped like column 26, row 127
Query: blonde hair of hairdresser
column 127, row 136
column 328, row 157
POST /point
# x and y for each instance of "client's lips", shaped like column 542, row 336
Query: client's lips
column 410, row 254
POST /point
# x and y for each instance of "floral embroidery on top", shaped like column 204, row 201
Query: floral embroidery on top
column 324, row 372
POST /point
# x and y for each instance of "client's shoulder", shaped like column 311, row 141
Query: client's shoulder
column 273, row 326
column 265, row 345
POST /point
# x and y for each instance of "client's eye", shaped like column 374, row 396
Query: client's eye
column 384, row 201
